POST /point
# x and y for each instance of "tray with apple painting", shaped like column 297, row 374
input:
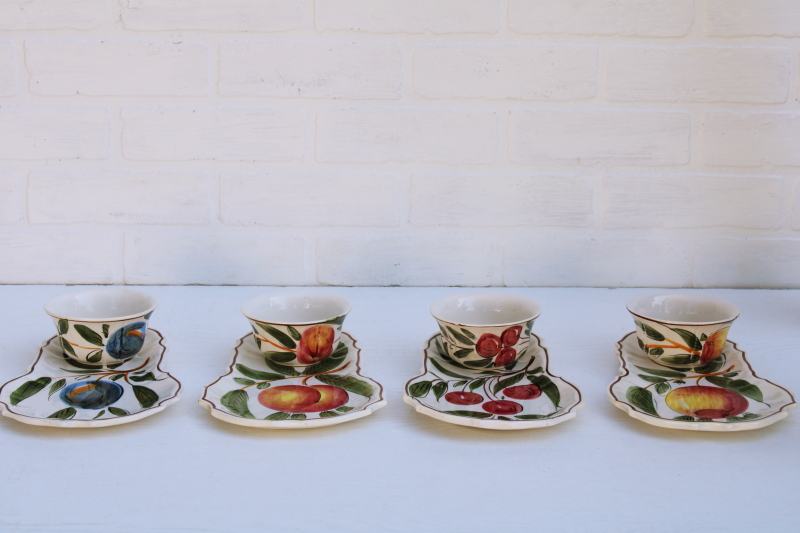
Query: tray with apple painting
column 521, row 395
column 258, row 392
column 722, row 395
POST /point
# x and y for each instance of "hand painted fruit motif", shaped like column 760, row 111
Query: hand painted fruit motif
column 502, row 407
column 523, row 392
column 127, row 341
column 488, row 345
column 91, row 394
column 316, row 343
column 303, row 399
column 714, row 345
column 463, row 398
column 706, row 402
column 510, row 336
column 506, row 357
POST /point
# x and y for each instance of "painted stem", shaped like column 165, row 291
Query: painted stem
column 305, row 380
column 275, row 345
column 694, row 377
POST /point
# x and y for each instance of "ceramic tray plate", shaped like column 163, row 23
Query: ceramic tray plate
column 60, row 392
column 257, row 392
column 523, row 395
column 723, row 395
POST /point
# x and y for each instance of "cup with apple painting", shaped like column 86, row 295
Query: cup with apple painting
column 485, row 330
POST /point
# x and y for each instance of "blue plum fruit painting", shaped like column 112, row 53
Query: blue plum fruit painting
column 126, row 341
column 91, row 394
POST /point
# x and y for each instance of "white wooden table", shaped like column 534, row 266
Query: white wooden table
column 398, row 471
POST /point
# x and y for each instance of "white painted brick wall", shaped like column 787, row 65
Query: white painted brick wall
column 401, row 142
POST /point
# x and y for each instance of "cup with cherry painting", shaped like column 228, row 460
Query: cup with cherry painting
column 485, row 330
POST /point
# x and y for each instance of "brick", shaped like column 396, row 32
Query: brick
column 311, row 69
column 525, row 71
column 213, row 259
column 138, row 68
column 214, row 15
column 747, row 263
column 699, row 74
column 283, row 199
column 381, row 134
column 408, row 16
column 752, row 139
column 52, row 14
column 500, row 200
column 585, row 262
column 607, row 136
column 222, row 133
column 32, row 132
column 57, row 257
column 692, row 201
column 108, row 196
column 732, row 18
column 651, row 18
column 404, row 260
column 8, row 71
column 9, row 198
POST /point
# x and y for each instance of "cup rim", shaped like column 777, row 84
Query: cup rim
column 536, row 312
column 49, row 304
column 707, row 297
column 347, row 305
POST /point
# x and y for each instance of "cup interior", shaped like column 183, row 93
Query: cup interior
column 296, row 307
column 485, row 309
column 683, row 308
column 101, row 304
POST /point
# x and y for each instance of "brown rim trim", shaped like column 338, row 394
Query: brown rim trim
column 356, row 359
column 735, row 347
column 546, row 371
column 684, row 323
column 158, row 367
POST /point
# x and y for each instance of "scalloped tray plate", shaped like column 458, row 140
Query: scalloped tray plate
column 536, row 413
column 248, row 357
column 652, row 409
column 57, row 372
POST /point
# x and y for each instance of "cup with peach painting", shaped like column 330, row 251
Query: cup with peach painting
column 297, row 328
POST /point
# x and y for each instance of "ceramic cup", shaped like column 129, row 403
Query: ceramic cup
column 485, row 329
column 682, row 330
column 297, row 328
column 101, row 326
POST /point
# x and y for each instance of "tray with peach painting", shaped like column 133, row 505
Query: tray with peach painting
column 258, row 392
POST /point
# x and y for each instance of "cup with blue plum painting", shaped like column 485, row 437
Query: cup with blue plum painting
column 101, row 326
column 485, row 330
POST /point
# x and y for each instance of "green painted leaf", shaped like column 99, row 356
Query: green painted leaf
column 469, row 414
column 105, row 330
column 258, row 342
column 293, row 332
column 684, row 417
column 89, row 335
column 641, row 344
column 420, row 389
column 459, row 383
column 468, row 333
column 281, row 369
column 279, row 357
column 348, row 383
column 656, row 351
column 95, row 357
column 439, row 389
column 235, row 401
column 116, row 411
column 257, row 374
column 680, row 382
column 101, row 413
column 344, row 408
column 460, row 337
column 507, row 382
column 548, row 387
column 28, row 389
column 115, row 377
column 711, row 366
column 148, row 315
column 444, row 371
column 730, row 374
column 112, row 367
column 689, row 338
column 750, row 416
column 683, row 359
column 57, row 386
column 537, row 370
column 662, row 373
column 741, row 386
column 297, row 416
column 145, row 377
column 652, row 333
column 477, row 384
column 503, row 418
column 329, row 363
column 703, row 337
column 277, row 415
column 338, row 321
column 460, row 354
column 662, row 388
column 511, row 365
column 705, row 419
column 480, row 363
column 69, row 349
column 63, row 326
column 262, row 386
column 244, row 381
column 532, row 417
column 341, row 351
column 328, row 414
column 652, row 379
column 641, row 399
column 64, row 414
column 285, row 340
column 146, row 397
